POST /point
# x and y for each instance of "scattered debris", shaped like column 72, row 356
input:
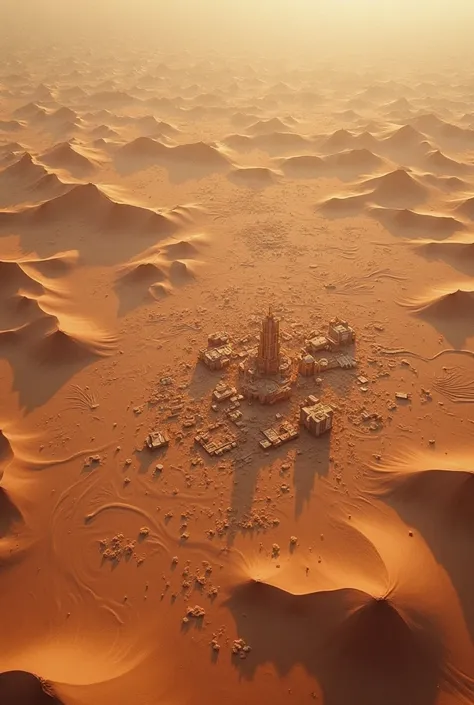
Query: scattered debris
column 278, row 435
column 196, row 612
column 156, row 440
column 240, row 648
column 402, row 396
column 117, row 548
column 216, row 440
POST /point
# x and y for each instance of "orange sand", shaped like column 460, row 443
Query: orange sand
column 147, row 199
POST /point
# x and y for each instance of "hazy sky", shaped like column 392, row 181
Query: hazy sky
column 266, row 25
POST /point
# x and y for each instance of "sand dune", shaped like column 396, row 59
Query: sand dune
column 159, row 291
column 143, row 273
column 343, row 206
column 401, row 104
column 344, row 140
column 26, row 170
column 446, row 183
column 103, row 132
column 156, row 272
column 459, row 252
column 254, row 177
column 112, row 98
column 428, row 123
column 241, row 119
column 197, row 153
column 355, row 159
column 6, row 453
column 341, row 637
column 144, row 147
column 11, row 125
column 43, row 92
column 339, row 140
column 265, row 127
column 26, row 688
column 49, row 186
column 53, row 341
column 12, row 147
column 350, row 161
column 30, row 111
column 303, row 165
column 405, row 136
column 182, row 249
column 466, row 208
column 69, row 157
column 242, row 143
column 182, row 271
column 407, row 220
column 445, row 486
column 275, row 142
column 149, row 125
column 396, row 187
column 15, row 276
column 440, row 163
column 410, row 660
column 457, row 134
column 91, row 204
column 447, row 303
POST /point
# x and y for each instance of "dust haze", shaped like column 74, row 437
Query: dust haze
column 236, row 352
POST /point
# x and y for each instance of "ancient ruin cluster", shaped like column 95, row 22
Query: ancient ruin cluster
column 268, row 374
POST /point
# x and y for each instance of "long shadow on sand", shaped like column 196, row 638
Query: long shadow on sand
column 203, row 382
column 36, row 383
column 455, row 330
column 311, row 460
column 359, row 649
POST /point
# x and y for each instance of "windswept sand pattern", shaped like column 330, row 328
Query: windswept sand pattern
column 456, row 384
column 366, row 283
column 168, row 173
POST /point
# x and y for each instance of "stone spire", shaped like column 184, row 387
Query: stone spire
column 268, row 358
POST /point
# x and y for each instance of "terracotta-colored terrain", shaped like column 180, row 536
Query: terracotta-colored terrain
column 146, row 200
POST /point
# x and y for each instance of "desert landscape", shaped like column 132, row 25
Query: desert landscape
column 236, row 353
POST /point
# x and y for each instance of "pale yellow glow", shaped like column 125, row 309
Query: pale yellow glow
column 287, row 27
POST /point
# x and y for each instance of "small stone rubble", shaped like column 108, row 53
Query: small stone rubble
column 240, row 648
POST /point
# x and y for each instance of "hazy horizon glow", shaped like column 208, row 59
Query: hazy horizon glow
column 286, row 27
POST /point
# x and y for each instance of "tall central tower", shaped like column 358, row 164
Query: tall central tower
column 268, row 357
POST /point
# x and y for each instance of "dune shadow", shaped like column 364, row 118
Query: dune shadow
column 359, row 649
column 101, row 246
column 459, row 256
column 439, row 505
column 22, row 688
column 455, row 331
column 36, row 381
column 9, row 514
